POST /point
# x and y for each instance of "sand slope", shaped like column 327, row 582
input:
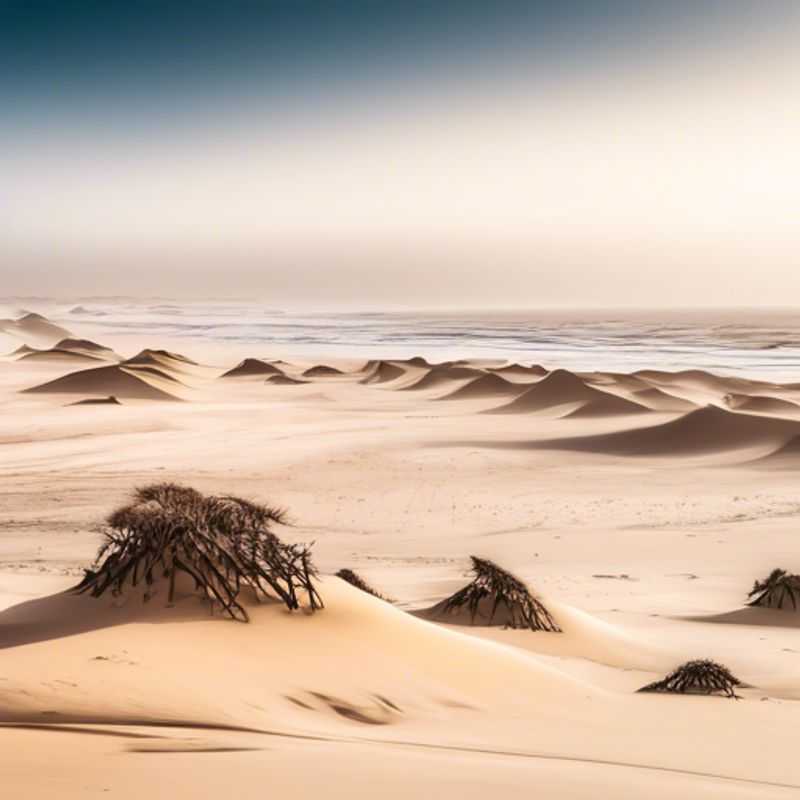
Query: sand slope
column 564, row 393
column 442, row 376
column 760, row 404
column 34, row 329
column 56, row 355
column 322, row 371
column 383, row 372
column 144, row 383
column 185, row 684
column 284, row 380
column 520, row 371
column 252, row 367
column 487, row 386
column 705, row 431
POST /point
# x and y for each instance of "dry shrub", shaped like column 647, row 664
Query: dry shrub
column 504, row 591
column 697, row 677
column 223, row 543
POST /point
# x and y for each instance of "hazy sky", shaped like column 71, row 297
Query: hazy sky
column 401, row 153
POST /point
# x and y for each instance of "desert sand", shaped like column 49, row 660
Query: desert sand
column 638, row 508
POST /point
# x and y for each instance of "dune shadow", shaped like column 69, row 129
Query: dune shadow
column 68, row 614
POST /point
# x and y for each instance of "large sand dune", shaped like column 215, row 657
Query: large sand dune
column 142, row 383
column 705, row 431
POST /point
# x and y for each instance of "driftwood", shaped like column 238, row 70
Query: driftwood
column 777, row 588
column 354, row 579
column 223, row 543
column 697, row 677
column 493, row 586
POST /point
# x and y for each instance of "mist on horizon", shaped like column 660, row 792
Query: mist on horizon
column 524, row 155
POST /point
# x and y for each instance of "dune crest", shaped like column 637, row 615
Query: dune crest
column 35, row 330
column 761, row 404
column 382, row 372
column 284, row 380
column 252, row 368
column 566, row 394
column 442, row 375
column 520, row 371
column 122, row 380
column 322, row 371
column 705, row 431
column 485, row 387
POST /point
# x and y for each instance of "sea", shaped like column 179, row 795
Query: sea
column 761, row 343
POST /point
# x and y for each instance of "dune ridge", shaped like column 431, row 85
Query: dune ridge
column 705, row 431
column 124, row 380
column 251, row 368
column 440, row 376
column 34, row 329
column 564, row 392
column 382, row 372
column 486, row 386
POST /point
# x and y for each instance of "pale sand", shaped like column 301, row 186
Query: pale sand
column 642, row 533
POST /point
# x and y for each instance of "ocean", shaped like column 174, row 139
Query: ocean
column 757, row 343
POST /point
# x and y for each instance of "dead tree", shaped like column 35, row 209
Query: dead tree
column 354, row 579
column 777, row 588
column 697, row 677
column 493, row 586
column 224, row 544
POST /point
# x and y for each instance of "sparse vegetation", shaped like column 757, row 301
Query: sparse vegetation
column 778, row 588
column 697, row 677
column 497, row 589
column 224, row 544
column 354, row 579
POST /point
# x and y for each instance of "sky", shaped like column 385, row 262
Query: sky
column 402, row 154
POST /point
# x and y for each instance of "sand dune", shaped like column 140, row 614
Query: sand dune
column 383, row 372
column 284, row 380
column 322, row 371
column 520, row 371
column 409, row 660
column 659, row 400
column 58, row 356
column 21, row 351
column 34, row 329
column 761, row 404
column 581, row 636
column 443, row 376
column 84, row 345
column 700, row 380
column 704, row 431
column 766, row 617
column 160, row 359
column 126, row 381
column 484, row 387
column 416, row 361
column 565, row 394
column 252, row 367
column 70, row 350
column 620, row 380
column 97, row 401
